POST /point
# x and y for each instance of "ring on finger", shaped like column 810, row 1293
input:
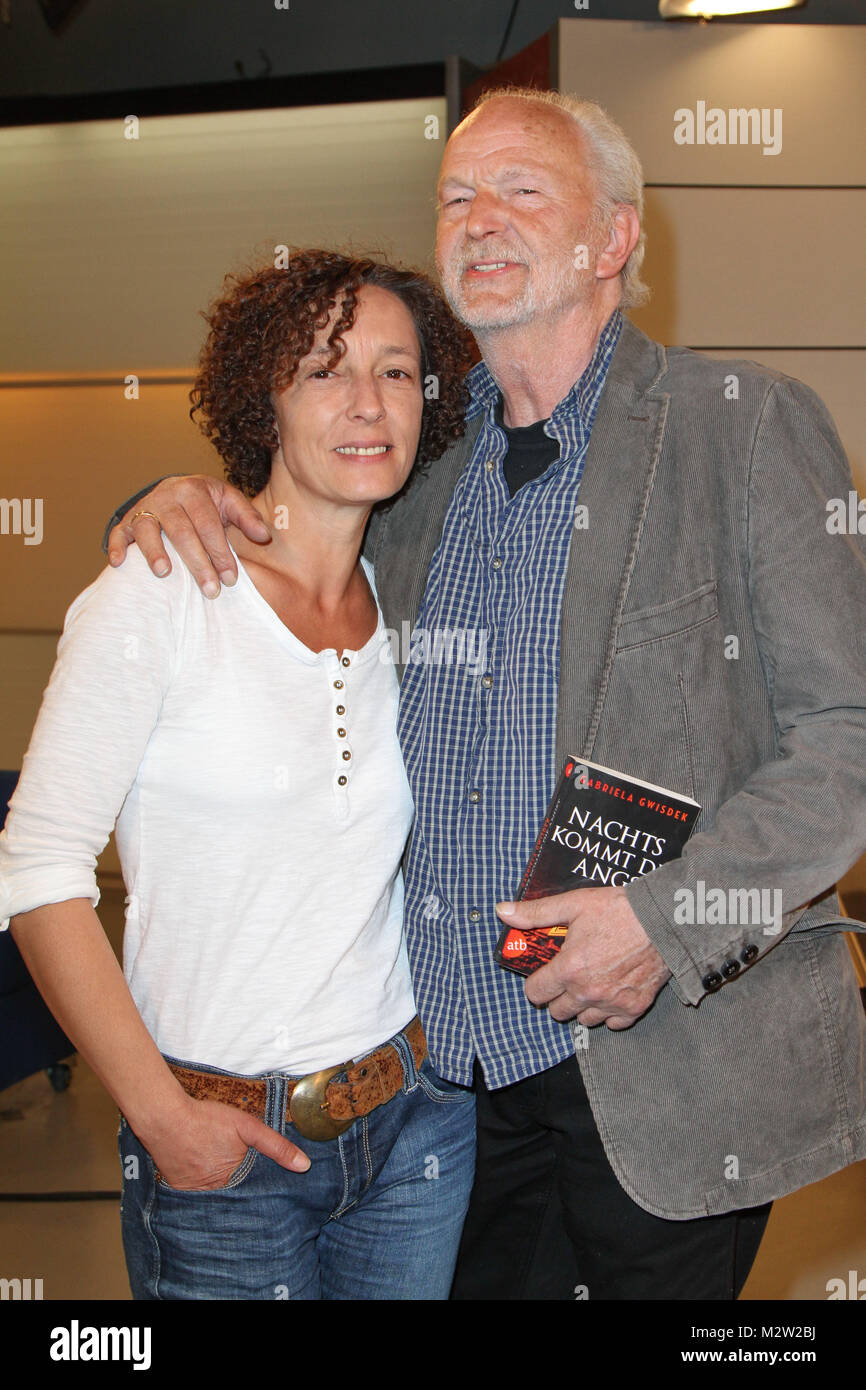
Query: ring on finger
column 144, row 513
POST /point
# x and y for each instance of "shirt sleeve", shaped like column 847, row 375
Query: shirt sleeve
column 115, row 660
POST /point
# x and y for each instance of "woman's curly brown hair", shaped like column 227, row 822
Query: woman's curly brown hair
column 266, row 323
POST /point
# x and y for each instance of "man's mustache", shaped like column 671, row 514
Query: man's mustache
column 471, row 256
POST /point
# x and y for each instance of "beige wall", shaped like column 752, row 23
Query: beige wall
column 644, row 73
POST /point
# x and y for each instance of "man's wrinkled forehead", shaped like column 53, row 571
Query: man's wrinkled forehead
column 517, row 130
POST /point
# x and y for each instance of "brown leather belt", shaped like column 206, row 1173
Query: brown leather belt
column 318, row 1106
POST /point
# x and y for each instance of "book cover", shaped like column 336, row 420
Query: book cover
column 602, row 829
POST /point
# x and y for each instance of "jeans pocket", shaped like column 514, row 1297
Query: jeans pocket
column 234, row 1179
column 132, row 1152
column 437, row 1088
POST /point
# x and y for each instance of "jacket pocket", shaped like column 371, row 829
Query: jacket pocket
column 668, row 619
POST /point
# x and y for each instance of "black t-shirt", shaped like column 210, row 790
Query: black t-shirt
column 530, row 452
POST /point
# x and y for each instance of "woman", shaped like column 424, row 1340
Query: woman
column 283, row 1134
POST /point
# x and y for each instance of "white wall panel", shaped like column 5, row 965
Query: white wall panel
column 109, row 247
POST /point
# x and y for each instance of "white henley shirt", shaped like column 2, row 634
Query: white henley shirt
column 260, row 829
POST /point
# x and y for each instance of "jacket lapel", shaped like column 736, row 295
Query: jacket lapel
column 408, row 533
column 615, row 489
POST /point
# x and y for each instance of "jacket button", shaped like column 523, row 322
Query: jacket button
column 749, row 954
column 712, row 981
column 730, row 969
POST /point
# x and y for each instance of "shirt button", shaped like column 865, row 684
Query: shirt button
column 344, row 661
column 342, row 780
column 338, row 685
column 487, row 682
column 490, row 465
column 346, row 754
column 475, row 915
column 474, row 796
column 341, row 733
column 497, row 563
column 341, row 709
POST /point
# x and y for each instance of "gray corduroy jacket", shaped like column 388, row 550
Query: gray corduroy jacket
column 713, row 641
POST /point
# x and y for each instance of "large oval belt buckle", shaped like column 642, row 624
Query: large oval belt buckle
column 309, row 1109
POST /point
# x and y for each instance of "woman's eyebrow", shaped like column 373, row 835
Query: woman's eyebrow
column 391, row 349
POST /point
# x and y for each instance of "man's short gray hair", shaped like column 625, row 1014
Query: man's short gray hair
column 613, row 162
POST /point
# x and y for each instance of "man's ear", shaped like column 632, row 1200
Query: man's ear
column 623, row 237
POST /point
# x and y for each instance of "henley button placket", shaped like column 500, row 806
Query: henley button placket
column 341, row 733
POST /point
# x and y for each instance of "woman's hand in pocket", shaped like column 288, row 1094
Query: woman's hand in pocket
column 206, row 1143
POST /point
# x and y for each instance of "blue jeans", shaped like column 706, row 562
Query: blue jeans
column 378, row 1215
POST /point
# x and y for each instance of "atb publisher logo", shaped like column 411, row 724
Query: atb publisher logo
column 515, row 945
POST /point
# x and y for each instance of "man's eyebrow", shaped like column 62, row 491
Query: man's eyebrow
column 520, row 171
column 516, row 171
column 451, row 181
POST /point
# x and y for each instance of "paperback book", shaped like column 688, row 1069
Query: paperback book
column 602, row 829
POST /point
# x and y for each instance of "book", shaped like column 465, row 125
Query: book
column 602, row 829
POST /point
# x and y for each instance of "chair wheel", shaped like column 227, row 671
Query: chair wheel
column 59, row 1076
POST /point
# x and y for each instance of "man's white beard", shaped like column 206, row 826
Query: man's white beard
column 561, row 287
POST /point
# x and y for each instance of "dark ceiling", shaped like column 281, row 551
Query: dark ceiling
column 123, row 45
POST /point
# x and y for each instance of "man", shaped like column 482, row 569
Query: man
column 642, row 552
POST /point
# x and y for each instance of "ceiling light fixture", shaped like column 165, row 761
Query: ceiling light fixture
column 717, row 9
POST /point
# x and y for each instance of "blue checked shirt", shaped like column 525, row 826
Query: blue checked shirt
column 478, row 731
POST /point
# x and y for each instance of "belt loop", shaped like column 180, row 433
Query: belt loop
column 410, row 1073
column 275, row 1106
